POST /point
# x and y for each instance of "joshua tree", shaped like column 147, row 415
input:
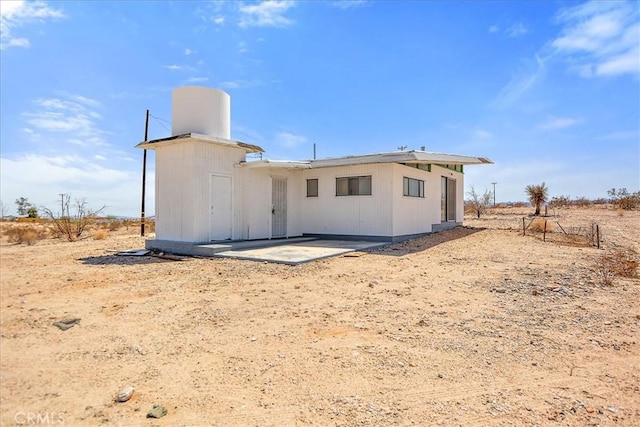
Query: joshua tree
column 538, row 195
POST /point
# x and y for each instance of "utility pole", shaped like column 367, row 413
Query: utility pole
column 314, row 151
column 144, row 173
column 61, row 205
column 494, row 193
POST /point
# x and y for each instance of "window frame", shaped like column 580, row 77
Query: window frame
column 354, row 185
column 317, row 187
column 406, row 187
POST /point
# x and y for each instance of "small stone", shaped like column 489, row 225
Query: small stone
column 158, row 411
column 440, row 376
column 254, row 338
column 612, row 409
column 125, row 394
column 67, row 323
column 499, row 290
column 590, row 409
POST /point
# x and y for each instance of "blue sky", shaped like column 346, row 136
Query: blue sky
column 550, row 91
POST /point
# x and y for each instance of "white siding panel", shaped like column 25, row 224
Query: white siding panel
column 350, row 215
column 183, row 174
column 256, row 196
column 413, row 215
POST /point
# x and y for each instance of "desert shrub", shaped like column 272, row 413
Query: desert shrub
column 622, row 199
column 581, row 202
column 600, row 201
column 114, row 225
column 618, row 263
column 69, row 225
column 478, row 203
column 538, row 225
column 100, row 234
column 559, row 201
column 28, row 235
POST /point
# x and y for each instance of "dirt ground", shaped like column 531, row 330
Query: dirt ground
column 474, row 326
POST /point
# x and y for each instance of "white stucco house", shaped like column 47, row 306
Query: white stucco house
column 207, row 191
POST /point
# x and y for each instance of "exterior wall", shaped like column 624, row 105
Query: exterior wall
column 348, row 215
column 183, row 174
column 415, row 215
column 256, row 196
column 439, row 172
column 183, row 197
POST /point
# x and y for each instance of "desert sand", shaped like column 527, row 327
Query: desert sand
column 474, row 326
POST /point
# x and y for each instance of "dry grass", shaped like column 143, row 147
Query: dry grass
column 100, row 234
column 538, row 225
column 621, row 262
column 29, row 235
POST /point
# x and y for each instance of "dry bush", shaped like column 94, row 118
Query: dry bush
column 114, row 225
column 538, row 225
column 618, row 263
column 100, row 234
column 28, row 235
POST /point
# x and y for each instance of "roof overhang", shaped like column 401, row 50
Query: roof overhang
column 157, row 143
column 282, row 164
column 407, row 157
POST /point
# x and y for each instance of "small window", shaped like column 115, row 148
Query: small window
column 312, row 187
column 353, row 186
column 413, row 187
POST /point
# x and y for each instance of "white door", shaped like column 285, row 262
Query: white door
column 221, row 208
column 278, row 206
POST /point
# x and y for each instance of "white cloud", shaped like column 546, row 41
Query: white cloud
column 482, row 134
column 349, row 4
column 15, row 14
column 240, row 84
column 269, row 13
column 600, row 38
column 558, row 123
column 242, row 47
column 196, row 80
column 188, row 51
column 75, row 175
column 516, row 30
column 218, row 20
column 72, row 116
column 621, row 135
column 176, row 67
column 290, row 140
column 494, row 29
column 520, row 83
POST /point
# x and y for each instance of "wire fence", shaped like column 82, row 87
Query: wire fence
column 550, row 230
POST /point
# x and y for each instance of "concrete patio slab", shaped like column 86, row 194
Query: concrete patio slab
column 294, row 253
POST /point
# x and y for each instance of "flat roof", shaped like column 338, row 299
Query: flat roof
column 408, row 157
column 152, row 145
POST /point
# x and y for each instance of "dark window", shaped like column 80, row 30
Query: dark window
column 353, row 186
column 413, row 187
column 312, row 187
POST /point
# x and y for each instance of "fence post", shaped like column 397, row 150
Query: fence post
column 523, row 228
column 544, row 232
column 598, row 235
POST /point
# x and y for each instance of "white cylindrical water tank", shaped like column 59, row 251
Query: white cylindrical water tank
column 203, row 110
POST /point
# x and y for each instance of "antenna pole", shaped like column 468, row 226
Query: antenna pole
column 314, row 151
column 144, row 173
column 494, row 193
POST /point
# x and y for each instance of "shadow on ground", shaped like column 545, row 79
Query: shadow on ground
column 129, row 260
column 423, row 243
